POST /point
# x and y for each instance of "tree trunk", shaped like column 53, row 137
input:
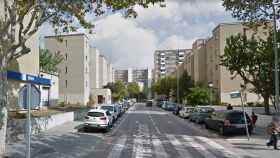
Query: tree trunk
column 266, row 105
column 3, row 104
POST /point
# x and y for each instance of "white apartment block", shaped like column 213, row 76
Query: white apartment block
column 74, row 76
column 94, row 68
column 110, row 72
column 166, row 61
column 103, row 71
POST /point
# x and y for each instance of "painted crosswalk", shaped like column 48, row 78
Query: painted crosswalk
column 184, row 146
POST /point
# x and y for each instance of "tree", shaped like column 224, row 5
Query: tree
column 198, row 96
column 258, row 71
column 22, row 19
column 165, row 86
column 49, row 61
column 185, row 84
column 118, row 89
column 133, row 90
column 251, row 11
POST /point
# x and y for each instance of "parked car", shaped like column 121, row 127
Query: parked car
column 178, row 108
column 112, row 109
column 163, row 105
column 101, row 119
column 228, row 121
column 185, row 112
column 200, row 113
column 170, row 106
column 149, row 103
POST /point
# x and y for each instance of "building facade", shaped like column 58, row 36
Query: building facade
column 203, row 63
column 166, row 61
column 74, row 76
column 103, row 71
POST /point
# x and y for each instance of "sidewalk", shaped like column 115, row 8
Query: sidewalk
column 257, row 143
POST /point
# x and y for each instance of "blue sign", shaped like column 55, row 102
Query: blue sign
column 35, row 96
column 28, row 78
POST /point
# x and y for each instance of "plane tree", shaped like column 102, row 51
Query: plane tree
column 21, row 19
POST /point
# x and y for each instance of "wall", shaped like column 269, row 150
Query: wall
column 94, row 68
column 75, row 49
column 54, row 89
column 16, row 127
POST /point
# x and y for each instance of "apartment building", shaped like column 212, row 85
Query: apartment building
column 203, row 63
column 74, row 76
column 84, row 70
column 166, row 61
column 103, row 71
column 110, row 72
column 94, row 68
column 121, row 75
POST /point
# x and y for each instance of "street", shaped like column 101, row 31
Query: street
column 141, row 132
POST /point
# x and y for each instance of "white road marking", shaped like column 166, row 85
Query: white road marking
column 154, row 124
column 142, row 143
column 179, row 147
column 201, row 149
column 158, row 148
column 118, row 148
column 218, row 147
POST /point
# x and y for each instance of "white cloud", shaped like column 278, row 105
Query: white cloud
column 132, row 42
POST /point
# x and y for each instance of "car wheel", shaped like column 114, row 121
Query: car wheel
column 222, row 131
column 206, row 126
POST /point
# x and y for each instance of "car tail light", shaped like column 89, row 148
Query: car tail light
column 103, row 118
column 226, row 123
column 86, row 117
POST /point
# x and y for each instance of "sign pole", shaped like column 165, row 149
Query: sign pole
column 28, row 120
column 245, row 118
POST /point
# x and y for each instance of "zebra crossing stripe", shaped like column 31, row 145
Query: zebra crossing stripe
column 158, row 148
column 218, row 147
column 201, row 149
column 118, row 147
column 179, row 147
column 140, row 148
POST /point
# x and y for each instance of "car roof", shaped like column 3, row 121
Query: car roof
column 106, row 105
column 229, row 111
column 97, row 110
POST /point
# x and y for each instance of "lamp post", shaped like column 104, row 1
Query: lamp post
column 276, row 77
column 210, row 85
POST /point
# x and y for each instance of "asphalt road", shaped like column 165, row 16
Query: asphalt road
column 143, row 132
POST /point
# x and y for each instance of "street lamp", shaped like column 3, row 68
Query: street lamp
column 275, row 57
column 210, row 85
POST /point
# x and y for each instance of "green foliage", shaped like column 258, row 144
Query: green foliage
column 49, row 61
column 198, row 96
column 165, row 86
column 168, row 85
column 118, row 89
column 253, row 60
column 185, row 83
column 250, row 10
column 133, row 89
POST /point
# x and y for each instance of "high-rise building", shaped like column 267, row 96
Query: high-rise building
column 103, row 71
column 166, row 61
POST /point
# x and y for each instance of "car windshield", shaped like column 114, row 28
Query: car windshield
column 95, row 114
column 206, row 110
column 189, row 109
column 109, row 108
column 237, row 118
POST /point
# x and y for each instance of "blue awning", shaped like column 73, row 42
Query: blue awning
column 28, row 78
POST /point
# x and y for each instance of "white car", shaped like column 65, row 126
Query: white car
column 186, row 111
column 101, row 119
column 111, row 108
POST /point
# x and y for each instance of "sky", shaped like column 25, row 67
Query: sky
column 130, row 43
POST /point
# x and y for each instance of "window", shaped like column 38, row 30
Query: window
column 86, row 57
column 66, row 43
column 66, row 56
column 66, row 83
column 66, row 69
column 86, row 83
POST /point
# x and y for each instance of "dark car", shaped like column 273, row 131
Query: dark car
column 149, row 103
column 170, row 106
column 178, row 108
column 229, row 121
column 200, row 114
